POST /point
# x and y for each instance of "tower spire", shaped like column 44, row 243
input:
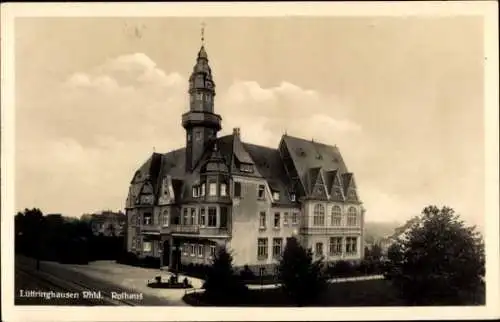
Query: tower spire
column 203, row 33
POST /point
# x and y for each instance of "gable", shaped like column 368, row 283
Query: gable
column 306, row 155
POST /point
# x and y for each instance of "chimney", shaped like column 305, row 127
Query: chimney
column 236, row 131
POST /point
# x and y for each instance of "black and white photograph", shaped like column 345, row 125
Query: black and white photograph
column 231, row 160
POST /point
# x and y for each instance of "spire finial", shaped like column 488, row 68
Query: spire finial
column 203, row 33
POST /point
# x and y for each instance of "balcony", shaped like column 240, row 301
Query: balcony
column 200, row 118
column 150, row 229
column 185, row 229
column 329, row 230
column 199, row 230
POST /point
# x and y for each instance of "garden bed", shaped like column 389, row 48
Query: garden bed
column 172, row 283
column 169, row 285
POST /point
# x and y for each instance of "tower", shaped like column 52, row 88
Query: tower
column 200, row 122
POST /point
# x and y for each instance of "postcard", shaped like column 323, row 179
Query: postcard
column 249, row 161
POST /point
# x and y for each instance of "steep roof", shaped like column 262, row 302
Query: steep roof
column 310, row 154
column 310, row 159
column 270, row 166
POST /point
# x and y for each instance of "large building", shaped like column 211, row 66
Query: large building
column 217, row 191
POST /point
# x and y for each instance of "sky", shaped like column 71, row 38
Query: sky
column 402, row 98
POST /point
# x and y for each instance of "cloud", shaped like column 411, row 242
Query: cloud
column 90, row 133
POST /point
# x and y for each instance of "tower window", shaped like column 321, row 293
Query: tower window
column 223, row 190
column 212, row 189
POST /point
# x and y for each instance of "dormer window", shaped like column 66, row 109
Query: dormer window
column 203, row 190
column 261, row 192
column 195, row 192
column 245, row 167
column 292, row 197
column 276, row 196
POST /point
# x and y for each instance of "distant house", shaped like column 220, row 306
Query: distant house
column 106, row 223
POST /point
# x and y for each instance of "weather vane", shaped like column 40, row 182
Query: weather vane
column 203, row 33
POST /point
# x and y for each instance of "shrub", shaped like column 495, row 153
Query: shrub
column 340, row 268
column 247, row 274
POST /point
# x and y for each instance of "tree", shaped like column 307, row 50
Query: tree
column 302, row 279
column 438, row 261
column 376, row 252
column 222, row 285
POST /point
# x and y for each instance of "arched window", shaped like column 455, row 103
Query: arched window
column 336, row 216
column 319, row 215
column 352, row 217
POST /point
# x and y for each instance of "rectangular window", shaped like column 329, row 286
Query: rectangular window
column 335, row 246
column 319, row 249
column 262, row 248
column 237, row 189
column 212, row 251
column 193, row 216
column 277, row 220
column 185, row 216
column 195, row 192
column 261, row 192
column 223, row 190
column 203, row 190
column 146, row 246
column 351, row 245
column 295, row 218
column 262, row 220
column 223, row 217
column 277, row 246
column 165, row 218
column 244, row 167
column 292, row 197
column 200, row 250
column 285, row 218
column 212, row 217
column 276, row 196
column 185, row 249
column 212, row 189
column 147, row 218
column 193, row 249
column 202, row 217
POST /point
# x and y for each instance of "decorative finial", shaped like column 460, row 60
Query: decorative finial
column 154, row 149
column 203, row 33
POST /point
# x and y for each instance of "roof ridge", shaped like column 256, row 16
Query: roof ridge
column 259, row 146
column 310, row 141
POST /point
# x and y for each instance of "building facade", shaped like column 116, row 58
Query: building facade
column 106, row 223
column 220, row 191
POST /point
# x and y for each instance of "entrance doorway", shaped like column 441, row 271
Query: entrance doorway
column 166, row 253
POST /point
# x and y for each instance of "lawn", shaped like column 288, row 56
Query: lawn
column 362, row 293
